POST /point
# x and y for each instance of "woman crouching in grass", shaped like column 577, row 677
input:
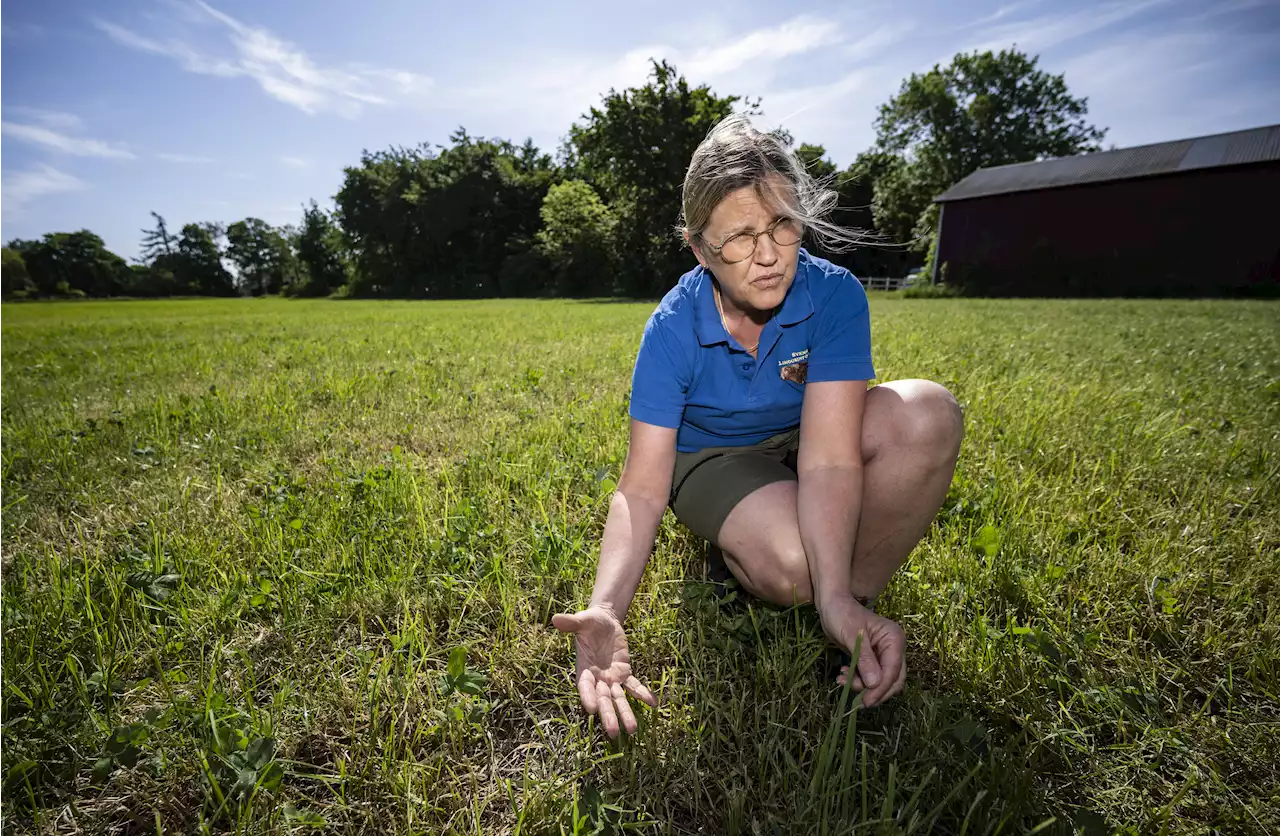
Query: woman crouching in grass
column 752, row 418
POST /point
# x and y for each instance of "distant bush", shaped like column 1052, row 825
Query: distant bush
column 575, row 238
column 930, row 291
column 15, row 282
column 526, row 272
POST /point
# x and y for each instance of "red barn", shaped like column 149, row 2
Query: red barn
column 1195, row 217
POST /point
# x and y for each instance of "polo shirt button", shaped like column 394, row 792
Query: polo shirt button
column 746, row 367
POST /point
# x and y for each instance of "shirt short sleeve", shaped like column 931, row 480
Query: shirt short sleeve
column 660, row 380
column 840, row 346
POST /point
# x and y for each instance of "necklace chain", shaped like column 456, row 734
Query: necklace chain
column 751, row 348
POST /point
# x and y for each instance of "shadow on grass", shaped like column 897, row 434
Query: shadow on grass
column 612, row 300
column 764, row 746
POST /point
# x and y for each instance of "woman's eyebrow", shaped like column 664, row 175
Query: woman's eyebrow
column 735, row 230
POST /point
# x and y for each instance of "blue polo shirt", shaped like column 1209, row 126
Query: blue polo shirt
column 692, row 376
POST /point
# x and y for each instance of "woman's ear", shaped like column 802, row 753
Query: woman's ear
column 692, row 241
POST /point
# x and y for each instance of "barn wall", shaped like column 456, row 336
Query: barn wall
column 1213, row 232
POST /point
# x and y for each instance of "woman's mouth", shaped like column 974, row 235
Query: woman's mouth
column 768, row 282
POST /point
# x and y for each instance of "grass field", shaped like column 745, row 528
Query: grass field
column 276, row 566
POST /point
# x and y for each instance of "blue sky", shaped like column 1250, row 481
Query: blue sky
column 222, row 110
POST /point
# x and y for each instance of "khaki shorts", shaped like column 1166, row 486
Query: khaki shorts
column 708, row 484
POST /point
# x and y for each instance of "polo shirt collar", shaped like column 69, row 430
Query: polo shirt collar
column 706, row 320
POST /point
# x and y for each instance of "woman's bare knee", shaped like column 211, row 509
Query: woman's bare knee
column 936, row 423
column 918, row 417
column 780, row 575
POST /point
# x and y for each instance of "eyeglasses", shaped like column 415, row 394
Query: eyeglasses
column 785, row 232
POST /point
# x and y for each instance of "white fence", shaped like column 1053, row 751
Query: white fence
column 883, row 283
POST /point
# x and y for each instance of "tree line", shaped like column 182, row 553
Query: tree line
column 483, row 217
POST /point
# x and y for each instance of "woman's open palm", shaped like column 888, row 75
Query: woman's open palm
column 604, row 667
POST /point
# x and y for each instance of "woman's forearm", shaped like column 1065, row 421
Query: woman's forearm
column 828, row 504
column 629, row 534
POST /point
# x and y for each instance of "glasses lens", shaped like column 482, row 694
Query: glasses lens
column 737, row 248
column 787, row 233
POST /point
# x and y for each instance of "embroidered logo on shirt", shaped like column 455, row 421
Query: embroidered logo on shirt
column 796, row 367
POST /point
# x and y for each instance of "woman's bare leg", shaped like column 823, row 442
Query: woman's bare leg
column 911, row 432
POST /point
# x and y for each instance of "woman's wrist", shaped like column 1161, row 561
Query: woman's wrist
column 608, row 607
column 835, row 598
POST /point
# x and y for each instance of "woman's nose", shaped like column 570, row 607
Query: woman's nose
column 766, row 251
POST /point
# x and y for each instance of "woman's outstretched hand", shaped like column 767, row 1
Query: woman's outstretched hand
column 604, row 667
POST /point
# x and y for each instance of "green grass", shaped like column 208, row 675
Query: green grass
column 244, row 541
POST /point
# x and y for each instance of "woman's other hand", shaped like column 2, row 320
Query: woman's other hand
column 604, row 667
column 881, row 663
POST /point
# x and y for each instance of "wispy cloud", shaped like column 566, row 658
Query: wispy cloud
column 1003, row 12
column 1035, row 34
column 544, row 94
column 189, row 159
column 772, row 45
column 22, row 187
column 283, row 71
column 53, row 140
column 1212, row 13
column 791, row 103
column 54, row 119
column 21, row 31
column 879, row 38
column 839, row 109
column 191, row 60
column 295, row 162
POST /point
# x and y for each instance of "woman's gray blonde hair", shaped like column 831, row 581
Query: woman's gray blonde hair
column 736, row 155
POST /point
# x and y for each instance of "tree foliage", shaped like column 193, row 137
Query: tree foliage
column 198, row 261
column 983, row 109
column 814, row 159
column 264, row 261
column 877, row 255
column 73, row 263
column 14, row 279
column 577, row 239
column 900, row 194
column 442, row 221
column 157, row 243
column 321, row 254
column 635, row 149
column 188, row 264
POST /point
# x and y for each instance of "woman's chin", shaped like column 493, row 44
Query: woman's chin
column 768, row 298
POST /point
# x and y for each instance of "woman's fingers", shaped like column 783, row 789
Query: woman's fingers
column 868, row 665
column 902, row 681
column 855, row 685
column 638, row 690
column 567, row 622
column 609, row 702
column 889, row 647
column 857, row 680
column 624, row 708
column 608, row 717
column 587, row 691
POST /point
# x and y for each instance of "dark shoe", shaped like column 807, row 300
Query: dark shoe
column 718, row 571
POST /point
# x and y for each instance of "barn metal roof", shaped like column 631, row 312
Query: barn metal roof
column 1255, row 145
